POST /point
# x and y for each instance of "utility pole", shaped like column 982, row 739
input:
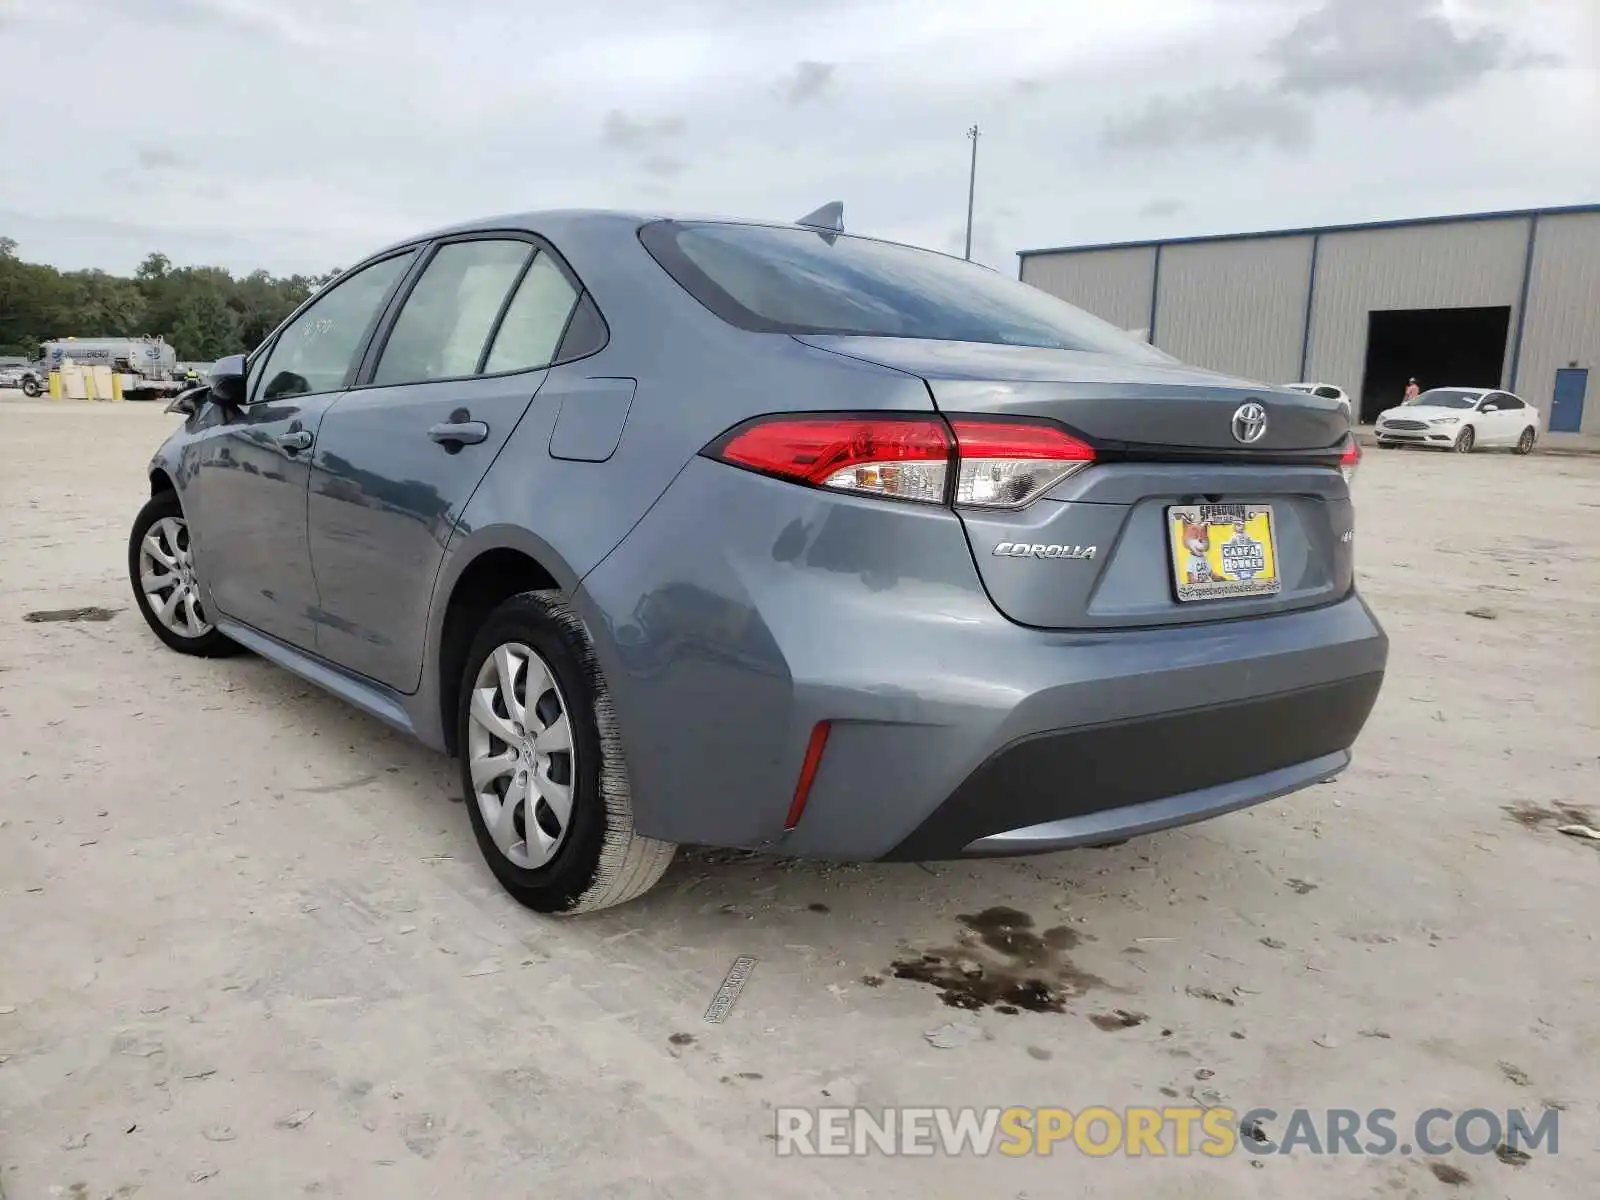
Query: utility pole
column 972, row 188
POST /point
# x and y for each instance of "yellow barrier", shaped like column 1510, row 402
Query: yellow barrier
column 55, row 385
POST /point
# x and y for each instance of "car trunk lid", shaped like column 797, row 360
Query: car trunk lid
column 1125, row 404
column 1099, row 550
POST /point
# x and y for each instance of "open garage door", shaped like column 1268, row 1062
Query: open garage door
column 1439, row 347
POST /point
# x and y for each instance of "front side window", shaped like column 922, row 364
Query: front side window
column 535, row 321
column 779, row 279
column 447, row 319
column 317, row 350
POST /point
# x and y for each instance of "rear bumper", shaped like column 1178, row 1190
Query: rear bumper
column 953, row 731
column 1072, row 787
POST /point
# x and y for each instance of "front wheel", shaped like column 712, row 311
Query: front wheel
column 31, row 388
column 542, row 765
column 161, row 570
column 1525, row 442
column 1465, row 442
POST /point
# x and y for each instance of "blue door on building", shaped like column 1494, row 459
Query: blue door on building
column 1566, row 406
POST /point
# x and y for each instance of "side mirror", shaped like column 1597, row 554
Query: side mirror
column 188, row 403
column 227, row 381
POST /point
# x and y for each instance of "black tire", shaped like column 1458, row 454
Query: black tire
column 601, row 861
column 1525, row 442
column 210, row 644
column 1465, row 441
column 31, row 388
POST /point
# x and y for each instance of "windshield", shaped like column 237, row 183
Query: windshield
column 1448, row 398
column 786, row 280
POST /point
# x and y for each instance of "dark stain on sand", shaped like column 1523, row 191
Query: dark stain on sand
column 1001, row 961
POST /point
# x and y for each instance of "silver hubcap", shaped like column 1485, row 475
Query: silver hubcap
column 520, row 754
column 166, row 576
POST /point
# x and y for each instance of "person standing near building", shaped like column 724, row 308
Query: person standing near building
column 1412, row 391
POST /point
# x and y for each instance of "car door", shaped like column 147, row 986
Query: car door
column 1516, row 416
column 400, row 455
column 1494, row 424
column 246, row 493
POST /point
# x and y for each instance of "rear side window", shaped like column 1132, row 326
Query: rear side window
column 1328, row 393
column 445, row 324
column 535, row 321
column 779, row 279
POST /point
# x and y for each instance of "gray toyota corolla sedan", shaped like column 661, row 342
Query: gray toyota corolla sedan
column 763, row 535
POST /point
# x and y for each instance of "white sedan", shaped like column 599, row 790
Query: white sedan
column 1460, row 419
column 1326, row 390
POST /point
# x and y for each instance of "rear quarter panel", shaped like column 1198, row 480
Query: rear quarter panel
column 696, row 377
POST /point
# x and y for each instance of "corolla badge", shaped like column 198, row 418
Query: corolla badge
column 1035, row 550
column 1249, row 423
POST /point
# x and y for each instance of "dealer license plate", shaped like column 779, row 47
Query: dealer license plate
column 1223, row 551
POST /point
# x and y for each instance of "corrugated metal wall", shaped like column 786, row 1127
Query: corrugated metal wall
column 1467, row 265
column 1563, row 323
column 1236, row 306
column 1239, row 305
column 1114, row 285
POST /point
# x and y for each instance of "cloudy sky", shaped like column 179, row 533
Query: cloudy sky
column 298, row 134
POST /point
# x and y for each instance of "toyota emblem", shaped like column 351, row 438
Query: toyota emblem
column 1249, row 423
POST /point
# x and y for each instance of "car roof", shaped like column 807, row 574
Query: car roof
column 582, row 223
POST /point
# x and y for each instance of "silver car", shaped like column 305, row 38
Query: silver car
column 768, row 536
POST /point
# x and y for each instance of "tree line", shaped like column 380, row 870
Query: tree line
column 203, row 312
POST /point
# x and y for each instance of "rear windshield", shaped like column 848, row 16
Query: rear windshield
column 777, row 279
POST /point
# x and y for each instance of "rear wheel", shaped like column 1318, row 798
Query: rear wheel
column 542, row 765
column 161, row 570
column 1525, row 442
column 1465, row 441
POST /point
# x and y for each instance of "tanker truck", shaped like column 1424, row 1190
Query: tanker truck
column 148, row 366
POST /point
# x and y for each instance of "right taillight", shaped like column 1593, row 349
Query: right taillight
column 977, row 462
column 1350, row 460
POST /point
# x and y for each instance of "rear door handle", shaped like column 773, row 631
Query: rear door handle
column 294, row 442
column 453, row 435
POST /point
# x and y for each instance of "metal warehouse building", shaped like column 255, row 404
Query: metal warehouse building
column 1508, row 300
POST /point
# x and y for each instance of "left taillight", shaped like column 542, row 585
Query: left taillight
column 906, row 458
column 1350, row 460
column 976, row 462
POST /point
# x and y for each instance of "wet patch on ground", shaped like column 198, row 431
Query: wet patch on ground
column 93, row 613
column 1536, row 817
column 1002, row 962
column 1117, row 1018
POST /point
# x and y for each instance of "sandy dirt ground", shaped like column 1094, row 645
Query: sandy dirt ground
column 248, row 947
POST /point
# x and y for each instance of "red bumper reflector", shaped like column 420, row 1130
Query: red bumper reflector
column 808, row 772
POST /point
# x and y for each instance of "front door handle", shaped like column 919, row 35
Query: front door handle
column 295, row 442
column 458, row 432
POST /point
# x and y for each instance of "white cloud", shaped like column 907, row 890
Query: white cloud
column 298, row 134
